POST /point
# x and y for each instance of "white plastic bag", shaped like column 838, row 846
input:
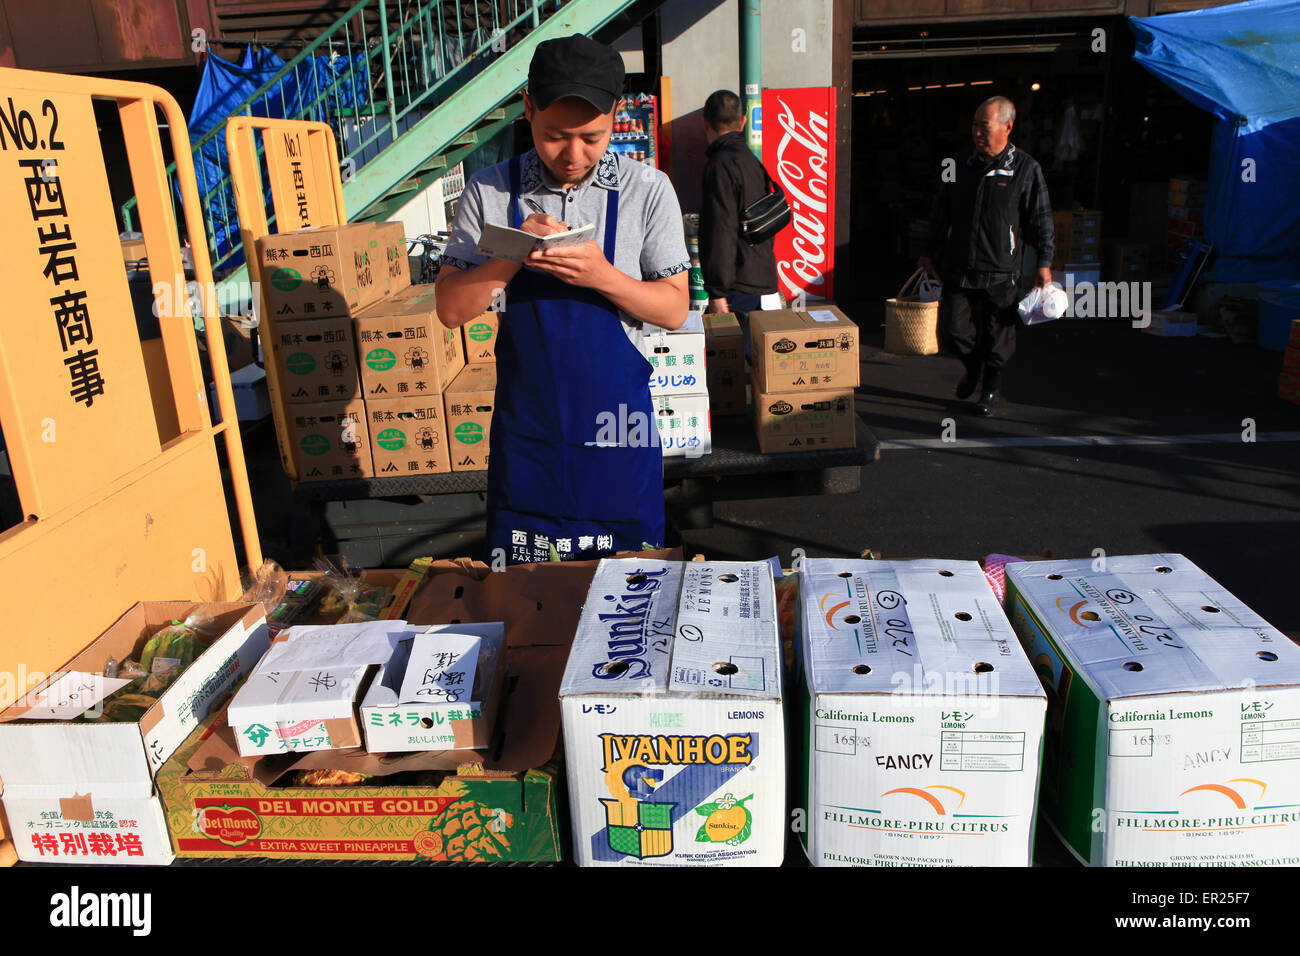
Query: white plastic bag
column 1043, row 304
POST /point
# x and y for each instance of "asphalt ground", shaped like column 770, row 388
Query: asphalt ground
column 1106, row 438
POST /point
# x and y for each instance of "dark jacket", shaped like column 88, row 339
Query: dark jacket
column 733, row 178
column 982, row 222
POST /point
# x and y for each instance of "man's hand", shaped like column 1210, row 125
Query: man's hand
column 540, row 224
column 1043, row 279
column 583, row 265
column 718, row 307
column 927, row 265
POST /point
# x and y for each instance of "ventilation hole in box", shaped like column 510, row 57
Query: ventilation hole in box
column 853, row 619
column 636, row 579
column 1053, row 577
column 455, row 620
column 460, row 589
column 962, row 616
column 1132, row 666
column 983, row 667
column 846, row 574
column 1164, row 570
column 1209, row 609
column 728, row 578
column 426, row 722
column 946, row 574
column 1266, row 655
column 862, row 669
column 614, row 668
column 1090, row 616
column 725, row 668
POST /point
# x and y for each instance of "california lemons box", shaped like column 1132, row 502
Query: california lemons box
column 674, row 734
column 1173, row 716
column 922, row 720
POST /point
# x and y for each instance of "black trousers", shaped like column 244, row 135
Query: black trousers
column 980, row 324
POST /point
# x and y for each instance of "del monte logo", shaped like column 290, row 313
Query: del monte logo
column 231, row 826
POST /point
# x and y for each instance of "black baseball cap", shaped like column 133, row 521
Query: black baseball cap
column 575, row 66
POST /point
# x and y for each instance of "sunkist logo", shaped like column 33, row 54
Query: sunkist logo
column 1231, row 793
column 638, row 825
column 232, row 826
column 927, row 794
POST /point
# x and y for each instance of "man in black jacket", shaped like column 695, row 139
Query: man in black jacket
column 736, row 274
column 992, row 203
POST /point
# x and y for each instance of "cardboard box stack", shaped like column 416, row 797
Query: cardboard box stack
column 315, row 282
column 78, row 791
column 724, row 358
column 805, row 371
column 408, row 360
column 469, row 402
column 1078, row 239
column 1288, row 386
column 1186, row 214
column 922, row 718
column 679, row 387
column 1173, row 714
column 674, row 734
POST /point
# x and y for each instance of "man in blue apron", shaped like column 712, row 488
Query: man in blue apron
column 575, row 467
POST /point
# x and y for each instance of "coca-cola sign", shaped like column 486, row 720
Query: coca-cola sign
column 799, row 151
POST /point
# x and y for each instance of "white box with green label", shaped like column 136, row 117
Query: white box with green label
column 676, row 357
column 405, row 350
column 1174, row 714
column 469, row 401
column 674, row 734
column 920, row 717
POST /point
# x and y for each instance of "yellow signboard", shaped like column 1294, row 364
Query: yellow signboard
column 69, row 344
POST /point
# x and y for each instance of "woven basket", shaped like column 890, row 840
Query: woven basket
column 911, row 326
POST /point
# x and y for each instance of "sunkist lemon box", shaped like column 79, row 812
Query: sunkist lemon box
column 674, row 733
column 920, row 717
column 1174, row 714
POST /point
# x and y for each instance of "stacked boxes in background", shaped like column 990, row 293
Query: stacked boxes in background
column 469, row 401
column 1186, row 214
column 1173, row 720
column 724, row 358
column 1126, row 261
column 679, row 387
column 1078, row 244
column 674, row 729
column 922, row 720
column 805, row 371
column 315, row 281
column 408, row 359
column 1288, row 386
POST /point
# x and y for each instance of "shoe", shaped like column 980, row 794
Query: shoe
column 987, row 404
column 969, row 382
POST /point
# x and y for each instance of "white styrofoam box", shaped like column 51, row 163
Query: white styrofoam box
column 924, row 717
column 685, row 424
column 676, row 357
column 252, row 401
column 674, row 733
column 1172, row 324
column 275, row 712
column 71, row 789
column 393, row 727
column 1174, row 713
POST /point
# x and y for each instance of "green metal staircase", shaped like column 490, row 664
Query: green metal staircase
column 423, row 84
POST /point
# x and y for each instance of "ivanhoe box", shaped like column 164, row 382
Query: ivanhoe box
column 674, row 731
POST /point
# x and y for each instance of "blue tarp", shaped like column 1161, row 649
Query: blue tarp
column 1241, row 62
column 225, row 86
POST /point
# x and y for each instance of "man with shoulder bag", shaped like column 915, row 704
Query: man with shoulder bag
column 741, row 211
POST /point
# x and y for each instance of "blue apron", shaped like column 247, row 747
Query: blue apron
column 568, row 376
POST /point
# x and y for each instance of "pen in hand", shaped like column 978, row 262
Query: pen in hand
column 533, row 206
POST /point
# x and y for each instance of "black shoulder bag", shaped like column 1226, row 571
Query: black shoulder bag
column 764, row 218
